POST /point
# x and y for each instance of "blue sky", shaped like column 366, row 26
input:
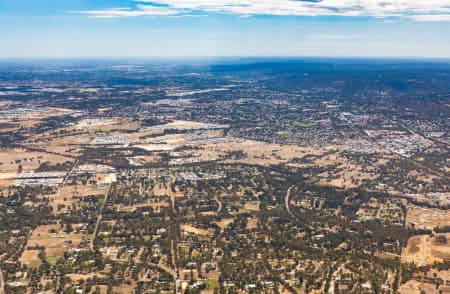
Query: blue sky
column 174, row 28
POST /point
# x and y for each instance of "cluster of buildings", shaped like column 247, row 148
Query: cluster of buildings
column 388, row 213
column 399, row 142
column 361, row 146
column 110, row 140
column 39, row 178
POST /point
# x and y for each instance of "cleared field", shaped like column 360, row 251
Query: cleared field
column 53, row 240
column 262, row 153
column 155, row 205
column 157, row 147
column 31, row 117
column 7, row 179
column 183, row 125
column 427, row 218
column 65, row 196
column 95, row 123
column 102, row 288
column 8, row 175
column 124, row 289
column 349, row 176
column 191, row 229
column 416, row 250
column 67, row 145
column 440, row 247
column 252, row 206
column 424, row 249
column 14, row 160
column 84, row 277
column 11, row 159
column 252, row 223
column 105, row 178
column 30, row 258
column 37, row 114
column 143, row 160
column 165, row 190
column 414, row 287
column 222, row 224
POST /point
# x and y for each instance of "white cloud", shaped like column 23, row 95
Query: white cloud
column 431, row 17
column 422, row 10
column 246, row 15
column 142, row 10
column 336, row 37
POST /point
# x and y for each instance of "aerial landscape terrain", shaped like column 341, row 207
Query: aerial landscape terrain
column 250, row 175
column 225, row 147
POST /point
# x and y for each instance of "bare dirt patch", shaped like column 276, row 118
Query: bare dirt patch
column 84, row 277
column 191, row 229
column 31, row 258
column 252, row 223
column 223, row 223
column 427, row 218
column 424, row 249
column 252, row 205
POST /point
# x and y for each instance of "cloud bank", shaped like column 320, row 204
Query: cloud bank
column 419, row 10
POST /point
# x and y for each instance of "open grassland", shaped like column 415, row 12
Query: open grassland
column 12, row 158
column 54, row 240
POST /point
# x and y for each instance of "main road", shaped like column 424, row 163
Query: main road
column 99, row 219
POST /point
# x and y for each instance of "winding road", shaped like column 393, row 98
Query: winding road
column 219, row 204
column 286, row 201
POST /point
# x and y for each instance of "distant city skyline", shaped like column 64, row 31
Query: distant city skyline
column 199, row 28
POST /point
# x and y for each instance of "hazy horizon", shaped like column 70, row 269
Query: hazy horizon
column 224, row 28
